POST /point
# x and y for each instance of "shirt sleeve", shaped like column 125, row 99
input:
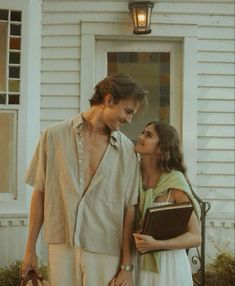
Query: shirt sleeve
column 36, row 172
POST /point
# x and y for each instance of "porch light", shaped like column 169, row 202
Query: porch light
column 141, row 15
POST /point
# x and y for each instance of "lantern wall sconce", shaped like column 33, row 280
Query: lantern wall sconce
column 141, row 15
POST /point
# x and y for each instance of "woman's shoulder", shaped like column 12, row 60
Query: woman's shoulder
column 175, row 174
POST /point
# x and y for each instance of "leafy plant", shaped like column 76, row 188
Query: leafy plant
column 221, row 271
column 10, row 274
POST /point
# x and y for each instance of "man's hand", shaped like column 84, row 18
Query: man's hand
column 124, row 278
column 29, row 263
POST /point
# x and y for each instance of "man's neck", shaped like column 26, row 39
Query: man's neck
column 93, row 123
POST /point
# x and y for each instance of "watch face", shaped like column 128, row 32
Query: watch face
column 127, row 267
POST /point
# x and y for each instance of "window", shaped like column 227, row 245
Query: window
column 10, row 68
column 10, row 42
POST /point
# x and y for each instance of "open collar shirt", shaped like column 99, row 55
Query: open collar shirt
column 93, row 219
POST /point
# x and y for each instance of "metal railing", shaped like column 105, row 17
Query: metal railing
column 200, row 256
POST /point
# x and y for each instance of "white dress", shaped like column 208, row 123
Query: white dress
column 174, row 267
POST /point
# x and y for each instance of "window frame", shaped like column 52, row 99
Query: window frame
column 28, row 123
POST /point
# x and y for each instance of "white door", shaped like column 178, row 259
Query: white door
column 154, row 64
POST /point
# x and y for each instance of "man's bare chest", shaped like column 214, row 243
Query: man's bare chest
column 94, row 152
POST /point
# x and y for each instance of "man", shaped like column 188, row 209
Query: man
column 85, row 178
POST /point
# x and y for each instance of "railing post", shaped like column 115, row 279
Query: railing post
column 204, row 208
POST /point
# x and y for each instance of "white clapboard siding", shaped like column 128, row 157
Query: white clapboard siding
column 57, row 65
column 60, row 77
column 58, row 114
column 61, row 53
column 61, row 89
column 68, row 18
column 206, row 105
column 60, row 102
column 215, row 168
column 216, row 143
column 216, row 156
column 216, row 68
column 221, row 93
column 222, row 131
column 61, row 30
column 216, row 193
column 221, row 33
column 216, row 57
column 210, row 118
column 211, row 20
column 60, row 41
column 212, row 181
column 216, row 80
column 216, row 45
column 84, row 6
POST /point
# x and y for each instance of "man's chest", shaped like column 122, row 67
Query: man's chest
column 94, row 153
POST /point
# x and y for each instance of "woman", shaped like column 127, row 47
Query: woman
column 163, row 182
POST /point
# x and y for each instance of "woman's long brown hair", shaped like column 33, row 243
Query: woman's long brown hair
column 171, row 157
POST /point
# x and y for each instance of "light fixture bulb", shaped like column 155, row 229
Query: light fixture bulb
column 141, row 19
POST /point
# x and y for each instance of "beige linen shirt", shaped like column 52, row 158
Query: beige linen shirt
column 92, row 220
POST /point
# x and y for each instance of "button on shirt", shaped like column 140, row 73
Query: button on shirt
column 93, row 219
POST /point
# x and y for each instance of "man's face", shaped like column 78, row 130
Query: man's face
column 115, row 115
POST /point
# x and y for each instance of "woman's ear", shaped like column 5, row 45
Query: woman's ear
column 108, row 100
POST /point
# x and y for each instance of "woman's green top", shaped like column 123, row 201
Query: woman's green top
column 172, row 180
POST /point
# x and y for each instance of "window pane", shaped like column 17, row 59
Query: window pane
column 16, row 16
column 7, row 151
column 152, row 70
column 14, row 98
column 14, row 85
column 14, row 58
column 15, row 29
column 2, row 98
column 3, row 55
column 15, row 43
column 14, row 72
column 3, row 14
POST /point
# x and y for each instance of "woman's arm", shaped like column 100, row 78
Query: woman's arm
column 191, row 238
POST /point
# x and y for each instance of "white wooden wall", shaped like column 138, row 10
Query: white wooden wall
column 60, row 86
column 13, row 233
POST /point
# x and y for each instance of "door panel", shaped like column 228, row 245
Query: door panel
column 156, row 66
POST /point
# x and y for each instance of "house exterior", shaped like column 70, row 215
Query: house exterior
column 48, row 69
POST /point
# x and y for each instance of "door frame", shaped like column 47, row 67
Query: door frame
column 91, row 33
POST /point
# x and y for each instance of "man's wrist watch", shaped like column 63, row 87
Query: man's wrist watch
column 127, row 267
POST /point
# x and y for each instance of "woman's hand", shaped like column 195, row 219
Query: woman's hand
column 145, row 243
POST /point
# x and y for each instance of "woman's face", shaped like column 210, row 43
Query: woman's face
column 147, row 143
